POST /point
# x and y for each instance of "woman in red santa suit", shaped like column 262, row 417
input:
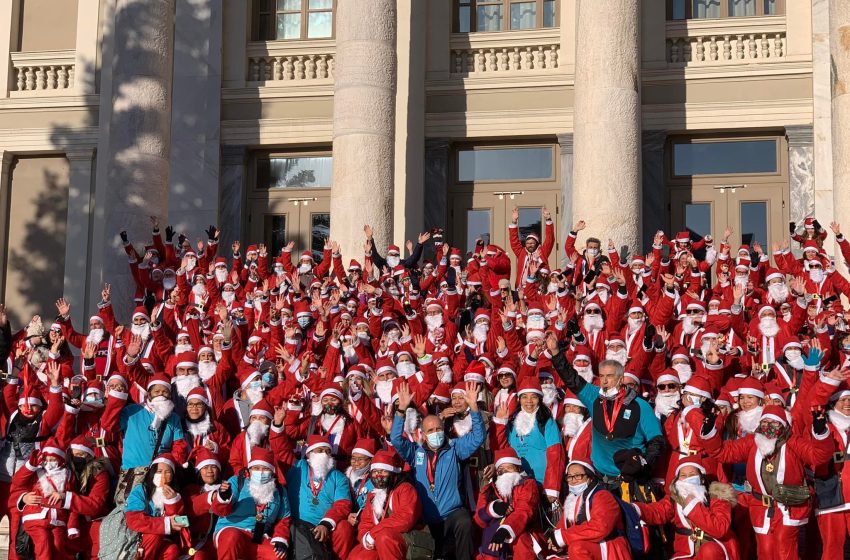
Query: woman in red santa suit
column 576, row 427
column 701, row 516
column 199, row 496
column 591, row 525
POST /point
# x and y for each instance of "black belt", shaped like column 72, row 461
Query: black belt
column 767, row 501
column 695, row 534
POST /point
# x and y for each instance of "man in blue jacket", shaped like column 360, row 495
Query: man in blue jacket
column 436, row 464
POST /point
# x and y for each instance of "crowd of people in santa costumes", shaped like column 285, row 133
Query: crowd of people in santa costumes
column 423, row 402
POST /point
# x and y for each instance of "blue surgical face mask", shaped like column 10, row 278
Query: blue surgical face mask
column 303, row 322
column 577, row 489
column 92, row 398
column 695, row 480
column 255, row 385
column 260, row 477
column 436, row 439
column 269, row 380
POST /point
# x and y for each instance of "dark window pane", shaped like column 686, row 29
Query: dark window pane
column 523, row 15
column 530, row 221
column 771, row 7
column 477, row 225
column 295, row 172
column 505, row 164
column 265, row 28
column 716, row 158
column 706, row 9
column 739, row 8
column 678, row 9
column 463, row 23
column 320, row 229
column 276, row 233
column 698, row 219
column 549, row 13
column 753, row 222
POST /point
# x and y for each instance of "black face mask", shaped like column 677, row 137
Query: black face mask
column 381, row 482
column 79, row 463
column 332, row 408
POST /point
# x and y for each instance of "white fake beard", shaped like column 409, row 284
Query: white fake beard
column 705, row 346
column 220, row 275
column 199, row 290
column 506, row 482
column 279, row 271
column 355, row 475
column 479, row 333
column 593, row 323
column 393, row 261
column 191, row 263
column 685, row 372
column 817, row 275
column 463, row 425
column 321, row 463
column 666, row 403
column 178, row 348
column 411, row 420
column 143, row 331
column 384, row 389
column 742, row 280
column 634, row 324
column 766, row 445
column 433, row 321
column 748, row 420
column 570, row 507
column 535, row 322
column 618, row 356
column 206, row 370
column 550, row 394
column 585, row 372
column 603, row 296
column 95, row 336
column 446, row 374
column 161, row 408
column 228, row 297
column 768, row 326
column 686, row 489
column 840, row 420
column 778, row 292
column 796, row 362
column 689, row 325
column 572, row 423
column 58, row 476
column 256, row 432
column 262, row 493
column 379, row 498
column 158, row 499
column 524, row 422
column 254, row 395
column 185, row 383
column 304, row 268
column 201, row 427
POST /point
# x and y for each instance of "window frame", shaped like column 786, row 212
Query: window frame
column 495, row 184
column 724, row 10
column 271, row 31
column 506, row 15
column 673, row 180
column 295, row 153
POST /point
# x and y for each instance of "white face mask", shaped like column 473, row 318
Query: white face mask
column 610, row 392
column 393, row 261
column 433, row 321
column 157, row 480
column 795, row 359
column 51, row 465
column 578, row 489
column 592, row 251
column 536, row 322
column 279, row 270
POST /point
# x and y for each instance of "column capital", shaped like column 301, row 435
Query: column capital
column 565, row 141
column 800, row 135
column 234, row 154
column 653, row 140
column 78, row 154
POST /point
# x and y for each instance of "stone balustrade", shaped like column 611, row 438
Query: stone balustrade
column 725, row 42
column 42, row 73
column 484, row 54
column 278, row 62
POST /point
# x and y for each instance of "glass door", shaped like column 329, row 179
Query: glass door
column 304, row 220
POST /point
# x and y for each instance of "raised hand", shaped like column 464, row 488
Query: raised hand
column 515, row 215
column 579, row 225
column 471, row 395
column 419, row 346
column 106, row 293
column 404, row 395
column 424, row 236
column 89, row 350
column 552, row 343
column 835, row 227
column 135, row 346
column 54, row 372
column 547, row 215
column 367, row 229
column 63, row 307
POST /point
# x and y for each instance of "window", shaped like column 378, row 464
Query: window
column 275, row 233
column 505, row 164
column 477, row 225
column 711, row 9
column 753, row 223
column 293, row 19
column 698, row 219
column 294, row 172
column 530, row 221
column 504, row 15
column 725, row 157
column 320, row 229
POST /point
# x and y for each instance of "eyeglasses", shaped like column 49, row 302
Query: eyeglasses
column 694, row 312
column 667, row 386
column 576, row 477
column 592, row 312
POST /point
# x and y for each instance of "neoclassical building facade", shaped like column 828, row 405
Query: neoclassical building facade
column 289, row 120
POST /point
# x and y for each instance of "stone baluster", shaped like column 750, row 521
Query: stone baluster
column 713, row 49
column 739, row 47
column 288, row 69
column 20, row 82
column 503, row 59
column 765, row 47
column 687, row 55
column 778, row 45
column 322, row 66
column 310, row 68
column 30, row 71
column 556, row 56
column 63, row 77
column 727, row 48
column 515, row 64
column 700, row 50
column 277, row 71
column 299, row 67
column 752, row 45
column 71, row 74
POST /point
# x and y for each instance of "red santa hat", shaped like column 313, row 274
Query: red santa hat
column 473, row 280
column 51, row 448
column 302, row 309
column 775, row 413
column 584, row 462
column 811, row 245
column 261, row 457
column 696, row 306
column 386, row 460
column 206, row 458
column 772, row 274
column 481, row 313
column 354, row 265
column 332, row 390
column 669, row 375
column 385, row 365
column 791, row 343
column 306, row 255
column 724, row 399
column 506, row 456
column 455, row 253
column 582, row 352
column 441, row 393
column 365, row 446
column 506, row 370
column 683, row 237
column 262, row 408
column 773, row 391
column 83, row 443
column 30, row 398
column 699, row 386
column 690, row 461
column 198, row 394
column 247, row 377
column 187, row 359
column 460, row 387
column 158, row 379
column 142, row 312
column 530, row 385
column 393, row 249
column 571, row 398
column 475, row 372
column 680, row 353
column 166, row 459
column 843, row 390
column 751, row 386
column 809, row 223
column 251, row 249
column 316, row 441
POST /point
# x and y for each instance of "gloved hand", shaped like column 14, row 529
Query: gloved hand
column 817, row 225
column 819, row 421
column 500, row 508
column 169, row 234
column 572, row 327
column 588, row 278
column 709, row 411
column 792, row 227
column 630, row 462
column 180, row 239
column 123, row 235
column 500, row 536
column 280, row 549
column 211, row 232
column 649, row 336
column 225, row 494
column 813, row 358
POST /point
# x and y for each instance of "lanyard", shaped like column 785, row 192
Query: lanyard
column 432, row 470
column 386, row 506
column 609, row 421
column 331, row 429
column 315, row 491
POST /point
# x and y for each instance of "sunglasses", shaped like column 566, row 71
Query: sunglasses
column 694, row 312
column 593, row 312
column 667, row 386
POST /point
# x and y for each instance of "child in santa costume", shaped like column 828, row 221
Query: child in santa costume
column 392, row 509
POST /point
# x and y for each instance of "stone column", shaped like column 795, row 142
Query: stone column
column 77, row 233
column 801, row 172
column 822, row 119
column 839, row 37
column 9, row 18
column 364, row 123
column 654, row 188
column 566, row 143
column 437, row 183
column 234, row 160
column 607, row 190
column 139, row 128
column 85, row 57
column 7, row 159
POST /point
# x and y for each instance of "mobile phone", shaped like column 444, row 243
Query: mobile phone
column 181, row 519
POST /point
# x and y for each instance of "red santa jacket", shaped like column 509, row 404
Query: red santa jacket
column 523, row 503
column 400, row 515
column 578, row 446
column 277, row 441
column 33, row 478
column 595, row 529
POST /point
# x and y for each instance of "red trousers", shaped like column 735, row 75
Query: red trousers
column 88, row 543
column 710, row 551
column 388, row 546
column 780, row 543
column 14, row 516
column 48, row 541
column 235, row 544
column 833, row 532
column 342, row 540
column 157, row 547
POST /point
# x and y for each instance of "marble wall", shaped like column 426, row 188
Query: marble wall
column 801, row 172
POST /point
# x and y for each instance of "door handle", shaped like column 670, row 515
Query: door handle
column 303, row 201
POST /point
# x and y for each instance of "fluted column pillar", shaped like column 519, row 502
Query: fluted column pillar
column 606, row 188
column 839, row 39
column 364, row 123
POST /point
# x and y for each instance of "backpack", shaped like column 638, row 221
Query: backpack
column 635, row 531
column 117, row 541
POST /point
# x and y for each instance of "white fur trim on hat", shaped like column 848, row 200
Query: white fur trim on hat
column 752, row 392
column 667, row 378
column 783, row 421
column 318, row 445
column 259, row 463
column 30, row 400
column 574, row 402
column 83, row 448
column 361, row 451
column 207, row 463
column 508, row 461
column 260, row 412
column 529, row 390
column 697, row 466
column 332, row 392
column 50, row 450
column 186, row 364
column 197, row 397
column 384, row 467
column 162, row 382
column 164, row 461
column 694, row 391
column 584, row 464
